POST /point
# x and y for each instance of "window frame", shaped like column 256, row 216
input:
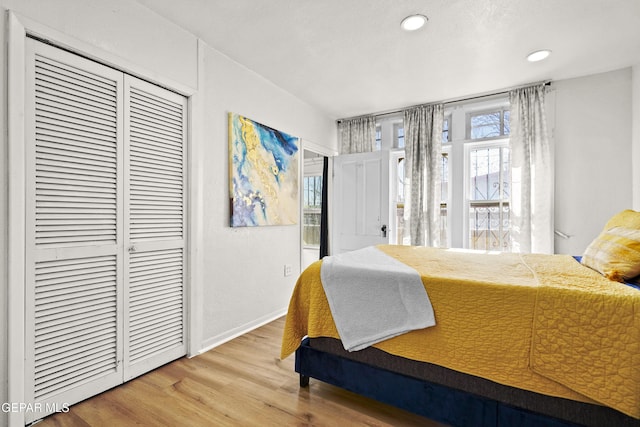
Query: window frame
column 503, row 109
column 397, row 125
column 312, row 168
column 449, row 120
column 457, row 145
column 469, row 145
column 394, row 158
column 447, row 152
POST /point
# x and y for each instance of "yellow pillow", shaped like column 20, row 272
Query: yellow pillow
column 626, row 218
column 615, row 253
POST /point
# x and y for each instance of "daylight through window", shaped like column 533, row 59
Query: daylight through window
column 312, row 210
column 475, row 178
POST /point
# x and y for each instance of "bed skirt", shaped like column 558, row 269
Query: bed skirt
column 441, row 394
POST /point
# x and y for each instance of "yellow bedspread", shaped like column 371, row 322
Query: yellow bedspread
column 497, row 314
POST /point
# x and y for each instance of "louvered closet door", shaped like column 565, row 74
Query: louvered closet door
column 155, row 230
column 105, row 175
column 74, row 229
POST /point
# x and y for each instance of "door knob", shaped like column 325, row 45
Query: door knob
column 384, row 230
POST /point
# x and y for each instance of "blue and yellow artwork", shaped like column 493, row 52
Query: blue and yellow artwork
column 263, row 171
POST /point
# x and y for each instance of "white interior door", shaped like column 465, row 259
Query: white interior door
column 361, row 200
column 105, row 240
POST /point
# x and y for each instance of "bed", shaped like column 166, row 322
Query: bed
column 519, row 340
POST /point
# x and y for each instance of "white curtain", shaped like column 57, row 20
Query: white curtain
column 532, row 172
column 357, row 135
column 423, row 150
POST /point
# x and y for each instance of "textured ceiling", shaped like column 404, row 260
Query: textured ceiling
column 350, row 57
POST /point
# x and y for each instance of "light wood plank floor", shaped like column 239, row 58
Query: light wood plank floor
column 240, row 383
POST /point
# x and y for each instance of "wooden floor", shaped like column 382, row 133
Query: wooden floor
column 240, row 383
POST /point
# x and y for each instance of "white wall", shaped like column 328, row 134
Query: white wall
column 592, row 154
column 242, row 276
column 244, row 267
column 635, row 150
column 3, row 230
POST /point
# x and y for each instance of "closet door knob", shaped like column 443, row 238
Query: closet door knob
column 132, row 249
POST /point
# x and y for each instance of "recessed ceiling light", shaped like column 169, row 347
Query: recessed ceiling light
column 413, row 22
column 538, row 55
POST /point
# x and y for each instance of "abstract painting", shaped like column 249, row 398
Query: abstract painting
column 263, row 169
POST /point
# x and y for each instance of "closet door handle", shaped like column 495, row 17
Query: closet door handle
column 132, row 249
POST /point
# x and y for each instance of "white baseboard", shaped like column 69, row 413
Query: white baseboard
column 220, row 339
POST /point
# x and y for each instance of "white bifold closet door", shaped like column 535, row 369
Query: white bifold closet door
column 154, row 229
column 105, row 241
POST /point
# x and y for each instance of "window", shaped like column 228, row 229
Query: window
column 397, row 190
column 444, row 180
column 378, row 144
column 446, row 136
column 398, row 135
column 312, row 210
column 489, row 177
column 399, row 199
column 475, row 176
column 444, row 197
column 491, row 124
column 398, row 202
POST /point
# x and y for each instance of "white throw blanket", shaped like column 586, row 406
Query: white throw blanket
column 373, row 297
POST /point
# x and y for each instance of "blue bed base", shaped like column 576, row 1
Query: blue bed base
column 437, row 402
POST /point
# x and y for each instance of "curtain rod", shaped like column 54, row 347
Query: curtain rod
column 450, row 101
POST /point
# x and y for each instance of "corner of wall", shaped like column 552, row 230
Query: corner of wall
column 3, row 221
column 580, row 103
column 635, row 136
